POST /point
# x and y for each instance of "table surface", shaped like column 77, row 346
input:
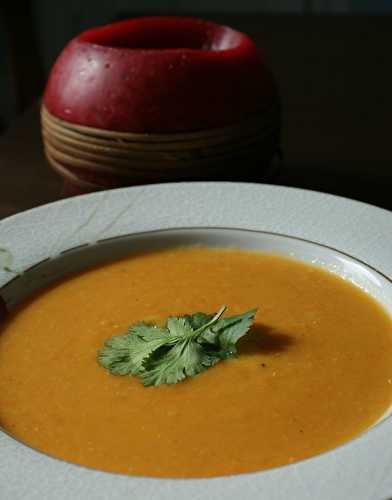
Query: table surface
column 335, row 81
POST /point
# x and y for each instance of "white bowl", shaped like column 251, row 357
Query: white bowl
column 349, row 238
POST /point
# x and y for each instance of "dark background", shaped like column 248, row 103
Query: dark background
column 331, row 59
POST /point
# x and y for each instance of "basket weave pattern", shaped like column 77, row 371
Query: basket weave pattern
column 94, row 158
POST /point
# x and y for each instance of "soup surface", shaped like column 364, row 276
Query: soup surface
column 314, row 371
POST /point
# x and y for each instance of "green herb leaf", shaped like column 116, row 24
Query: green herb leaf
column 179, row 327
column 198, row 319
column 187, row 346
column 125, row 354
column 185, row 359
column 230, row 330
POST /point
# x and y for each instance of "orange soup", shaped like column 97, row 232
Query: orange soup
column 314, row 371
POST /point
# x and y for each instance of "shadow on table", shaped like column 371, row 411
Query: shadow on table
column 354, row 182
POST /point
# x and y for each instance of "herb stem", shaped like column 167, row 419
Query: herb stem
column 210, row 323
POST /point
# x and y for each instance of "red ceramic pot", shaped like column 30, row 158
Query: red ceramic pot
column 159, row 75
column 119, row 93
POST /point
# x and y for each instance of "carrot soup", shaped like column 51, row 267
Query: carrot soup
column 314, row 371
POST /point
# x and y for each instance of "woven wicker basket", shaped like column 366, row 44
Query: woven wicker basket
column 93, row 159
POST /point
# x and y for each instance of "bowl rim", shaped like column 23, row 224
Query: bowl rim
column 166, row 230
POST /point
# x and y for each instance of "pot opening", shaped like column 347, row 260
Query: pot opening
column 163, row 34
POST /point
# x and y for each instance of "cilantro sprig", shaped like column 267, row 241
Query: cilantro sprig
column 186, row 346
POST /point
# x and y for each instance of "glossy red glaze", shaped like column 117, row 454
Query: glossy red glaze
column 159, row 74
